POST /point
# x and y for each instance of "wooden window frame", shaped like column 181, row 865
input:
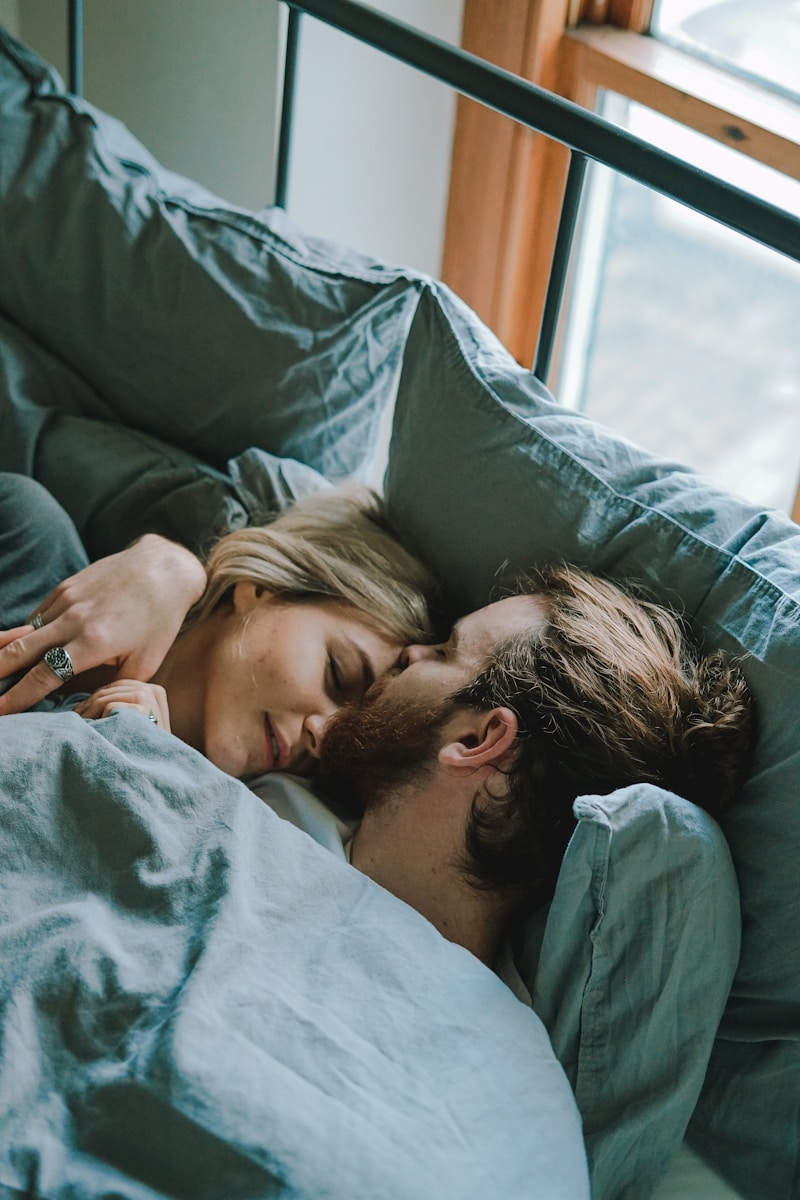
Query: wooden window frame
column 507, row 183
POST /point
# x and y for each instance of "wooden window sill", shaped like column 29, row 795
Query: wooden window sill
column 734, row 111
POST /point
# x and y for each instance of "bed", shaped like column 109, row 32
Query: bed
column 198, row 998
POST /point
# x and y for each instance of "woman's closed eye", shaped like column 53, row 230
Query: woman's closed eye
column 348, row 677
column 335, row 681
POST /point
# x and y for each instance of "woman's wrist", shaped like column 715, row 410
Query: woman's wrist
column 167, row 559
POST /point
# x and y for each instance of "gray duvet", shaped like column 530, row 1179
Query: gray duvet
column 198, row 1000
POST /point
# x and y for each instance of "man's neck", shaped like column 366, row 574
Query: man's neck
column 417, row 860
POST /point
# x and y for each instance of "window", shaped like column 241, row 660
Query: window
column 757, row 41
column 678, row 333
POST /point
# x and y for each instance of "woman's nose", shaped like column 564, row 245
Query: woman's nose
column 314, row 727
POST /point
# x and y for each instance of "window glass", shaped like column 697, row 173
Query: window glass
column 759, row 39
column 682, row 334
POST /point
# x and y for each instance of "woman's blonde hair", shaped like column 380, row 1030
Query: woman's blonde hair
column 333, row 545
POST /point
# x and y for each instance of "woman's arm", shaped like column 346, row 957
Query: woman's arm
column 123, row 612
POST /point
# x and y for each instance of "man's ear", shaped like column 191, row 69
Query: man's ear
column 481, row 739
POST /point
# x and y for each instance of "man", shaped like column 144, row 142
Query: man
column 467, row 760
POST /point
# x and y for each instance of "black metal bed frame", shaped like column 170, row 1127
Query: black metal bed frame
column 586, row 135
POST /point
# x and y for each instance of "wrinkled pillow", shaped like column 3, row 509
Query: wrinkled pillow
column 206, row 326
column 118, row 483
column 485, row 468
column 639, row 949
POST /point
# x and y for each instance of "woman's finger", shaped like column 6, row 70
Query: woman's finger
column 12, row 635
column 91, row 708
column 23, row 649
column 34, row 686
column 18, row 648
column 147, row 710
column 24, row 646
column 44, row 613
column 122, row 689
column 146, row 698
column 121, row 705
column 162, row 710
column 96, row 706
column 24, row 652
column 54, row 605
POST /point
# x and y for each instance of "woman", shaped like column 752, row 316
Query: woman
column 297, row 618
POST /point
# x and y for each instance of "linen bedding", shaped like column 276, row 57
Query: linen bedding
column 198, row 1000
column 162, row 358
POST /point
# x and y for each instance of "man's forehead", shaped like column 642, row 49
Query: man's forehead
column 478, row 632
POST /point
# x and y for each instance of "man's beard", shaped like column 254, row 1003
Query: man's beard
column 373, row 749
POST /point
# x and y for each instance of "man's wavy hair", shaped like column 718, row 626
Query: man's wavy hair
column 613, row 691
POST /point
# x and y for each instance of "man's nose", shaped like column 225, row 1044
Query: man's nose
column 314, row 727
column 417, row 653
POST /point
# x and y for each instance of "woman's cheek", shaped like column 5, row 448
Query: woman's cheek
column 228, row 758
column 223, row 744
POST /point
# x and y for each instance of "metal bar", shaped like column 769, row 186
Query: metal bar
column 75, row 23
column 561, row 260
column 564, row 121
column 287, row 108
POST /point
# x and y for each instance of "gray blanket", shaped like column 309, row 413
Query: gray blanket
column 200, row 1001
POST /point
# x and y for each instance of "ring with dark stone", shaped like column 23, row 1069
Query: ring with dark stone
column 59, row 661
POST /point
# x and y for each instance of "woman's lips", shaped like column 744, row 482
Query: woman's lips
column 277, row 752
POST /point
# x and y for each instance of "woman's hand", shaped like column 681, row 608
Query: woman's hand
column 122, row 612
column 149, row 698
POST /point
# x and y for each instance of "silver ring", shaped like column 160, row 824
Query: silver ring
column 59, row 661
column 151, row 716
column 37, row 622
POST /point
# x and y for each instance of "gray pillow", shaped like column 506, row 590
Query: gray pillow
column 484, row 468
column 206, row 326
column 118, row 483
column 638, row 953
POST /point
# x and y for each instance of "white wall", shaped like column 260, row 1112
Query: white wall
column 198, row 82
column 371, row 154
column 195, row 80
column 9, row 16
